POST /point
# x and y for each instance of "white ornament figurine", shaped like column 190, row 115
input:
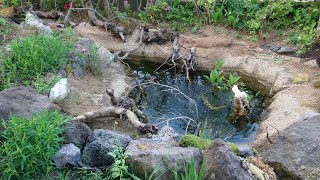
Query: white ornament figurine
column 240, row 102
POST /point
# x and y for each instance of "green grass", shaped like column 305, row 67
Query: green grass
column 32, row 56
column 191, row 172
column 5, row 30
column 29, row 145
column 43, row 85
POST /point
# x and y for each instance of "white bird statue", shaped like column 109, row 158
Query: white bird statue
column 240, row 102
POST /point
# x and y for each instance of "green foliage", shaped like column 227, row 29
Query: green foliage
column 81, row 174
column 155, row 13
column 217, row 16
column 29, row 145
column 191, row 172
column 234, row 148
column 216, row 75
column 233, row 79
column 194, row 141
column 11, row 2
column 43, row 85
column 232, row 20
column 5, row 30
column 33, row 56
column 49, row 5
column 119, row 169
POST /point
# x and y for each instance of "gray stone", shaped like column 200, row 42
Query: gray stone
column 245, row 150
column 78, row 71
column 68, row 154
column 99, row 144
column 33, row 21
column 274, row 48
column 76, row 133
column 22, row 101
column 285, row 50
column 223, row 164
column 166, row 133
column 297, row 149
column 63, row 73
column 60, row 90
column 160, row 157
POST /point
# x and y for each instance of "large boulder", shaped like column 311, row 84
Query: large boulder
column 68, row 154
column 159, row 157
column 76, row 133
column 295, row 153
column 22, row 101
column 99, row 144
column 223, row 164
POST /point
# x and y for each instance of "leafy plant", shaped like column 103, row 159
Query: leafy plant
column 216, row 76
column 233, row 79
column 232, row 20
column 11, row 2
column 32, row 57
column 119, row 169
column 5, row 30
column 217, row 16
column 190, row 171
column 29, row 145
column 43, row 85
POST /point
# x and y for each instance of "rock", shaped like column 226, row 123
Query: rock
column 99, row 144
column 267, row 170
column 245, row 150
column 166, row 133
column 63, row 73
column 279, row 49
column 159, row 157
column 274, row 48
column 22, row 101
column 285, row 50
column 300, row 78
column 34, row 21
column 296, row 147
column 68, row 154
column 76, row 133
column 60, row 90
column 105, row 55
column 78, row 71
column 223, row 164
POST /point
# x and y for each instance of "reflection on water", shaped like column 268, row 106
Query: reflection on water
column 214, row 107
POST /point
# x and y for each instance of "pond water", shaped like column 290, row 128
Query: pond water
column 212, row 109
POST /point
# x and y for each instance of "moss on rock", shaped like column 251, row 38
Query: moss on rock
column 234, row 148
column 194, row 141
column 201, row 143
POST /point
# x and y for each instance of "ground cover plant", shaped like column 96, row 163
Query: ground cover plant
column 31, row 58
column 29, row 144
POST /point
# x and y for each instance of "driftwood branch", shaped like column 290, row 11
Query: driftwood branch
column 116, row 112
column 127, row 52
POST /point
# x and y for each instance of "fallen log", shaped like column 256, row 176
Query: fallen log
column 116, row 112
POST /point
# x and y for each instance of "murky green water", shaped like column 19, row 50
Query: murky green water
column 214, row 107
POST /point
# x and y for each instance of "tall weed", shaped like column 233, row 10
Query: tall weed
column 29, row 145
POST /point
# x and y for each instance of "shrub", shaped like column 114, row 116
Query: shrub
column 29, row 145
column 31, row 57
column 194, row 141
column 49, row 5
